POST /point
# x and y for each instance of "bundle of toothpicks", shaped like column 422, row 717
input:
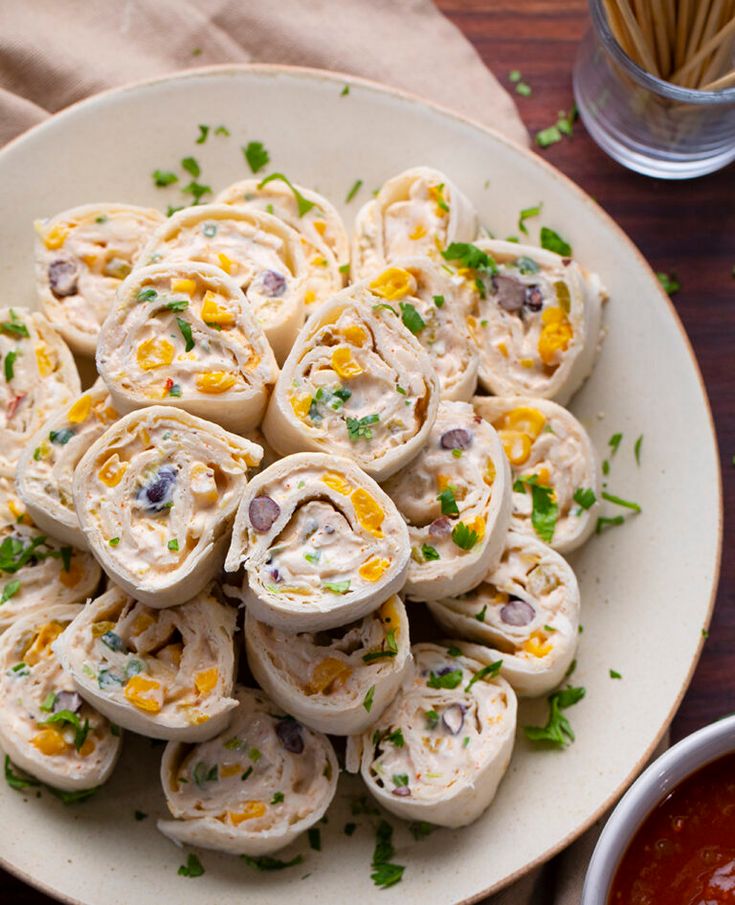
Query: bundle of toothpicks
column 685, row 42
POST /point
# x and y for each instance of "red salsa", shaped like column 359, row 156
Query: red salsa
column 684, row 852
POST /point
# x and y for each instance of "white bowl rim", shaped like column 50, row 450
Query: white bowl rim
column 336, row 76
column 674, row 766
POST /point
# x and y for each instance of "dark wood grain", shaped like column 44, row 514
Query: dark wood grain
column 687, row 228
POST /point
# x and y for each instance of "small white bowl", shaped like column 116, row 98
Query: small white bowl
column 651, row 787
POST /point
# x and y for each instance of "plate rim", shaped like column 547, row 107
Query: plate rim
column 312, row 73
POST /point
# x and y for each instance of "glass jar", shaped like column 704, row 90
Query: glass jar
column 645, row 123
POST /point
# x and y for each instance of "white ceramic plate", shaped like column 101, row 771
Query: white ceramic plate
column 647, row 587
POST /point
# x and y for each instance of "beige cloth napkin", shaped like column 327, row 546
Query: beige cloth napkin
column 56, row 52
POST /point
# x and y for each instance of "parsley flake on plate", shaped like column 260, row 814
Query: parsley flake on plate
column 256, row 156
column 552, row 241
column 303, row 204
column 557, row 732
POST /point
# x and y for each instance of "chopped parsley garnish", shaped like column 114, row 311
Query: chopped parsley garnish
column 14, row 554
column 203, row 133
column 357, row 185
column 203, row 774
column 373, row 655
column 47, row 704
column 191, row 166
column 345, row 91
column 619, row 501
column 524, row 89
column 15, row 326
column 61, row 437
column 557, row 732
column 10, row 590
column 222, row 130
column 9, row 364
column 464, row 537
column 604, row 522
column 162, row 178
column 637, row 449
column 192, row 868
column 449, row 679
column 420, row 829
column 548, row 136
column 172, row 209
column 614, row 443
column 448, row 502
column 256, row 156
column 359, row 428
column 254, row 754
column 173, row 545
column 400, row 780
column 432, row 718
column 345, row 269
column 438, row 301
column 552, row 241
column 396, row 738
column 429, row 553
column 72, row 797
column 390, row 640
column 670, row 282
column 564, row 125
column 278, row 797
column 197, row 190
column 315, row 838
column 545, row 511
column 67, row 717
column 454, row 651
column 113, row 641
column 468, row 255
column 303, row 204
column 605, row 467
column 368, row 700
column 491, row 670
column 113, row 541
column 16, row 780
column 266, row 862
column 147, row 294
column 481, row 615
column 247, row 773
column 526, row 214
column 337, row 587
column 585, row 497
column 178, row 305
column 515, row 76
column 384, row 873
column 185, row 328
column 614, row 674
column 313, row 557
column 411, row 318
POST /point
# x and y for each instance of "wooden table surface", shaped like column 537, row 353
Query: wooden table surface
column 687, row 228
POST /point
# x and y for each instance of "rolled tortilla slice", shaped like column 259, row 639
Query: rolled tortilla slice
column 37, row 376
column 45, row 471
column 417, row 212
column 162, row 673
column 82, row 255
column 254, row 788
column 323, row 235
column 261, row 253
column 322, row 544
column 434, row 310
column 183, row 334
column 525, row 613
column 36, row 570
column 156, row 496
column 456, row 498
column 356, row 383
column 338, row 681
column 439, row 751
column 536, row 321
column 45, row 727
column 556, row 477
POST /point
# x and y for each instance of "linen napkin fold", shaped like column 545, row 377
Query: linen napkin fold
column 56, row 52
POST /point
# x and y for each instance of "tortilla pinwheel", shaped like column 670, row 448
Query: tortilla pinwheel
column 183, row 334
column 439, row 751
column 261, row 253
column 253, row 789
column 82, row 256
column 337, row 681
column 556, row 477
column 45, row 727
column 525, row 612
column 322, row 544
column 357, row 382
column 418, row 212
column 37, row 376
column 156, row 496
column 163, row 673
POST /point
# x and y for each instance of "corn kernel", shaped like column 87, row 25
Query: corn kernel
column 517, row 446
column 71, row 577
column 56, row 236
column 215, row 382
column 17, row 509
column 527, row 420
column 390, row 617
column 112, row 471
column 214, row 313
column 393, row 283
column 102, row 627
column 544, row 477
column 41, row 645
column 89, row 260
column 227, row 264
column 490, row 473
column 344, row 364
column 472, row 327
column 319, row 261
column 49, row 742
column 79, row 412
column 309, row 297
column 142, row 622
column 227, row 770
column 144, row 693
column 88, row 747
column 337, row 482
column 442, row 482
column 373, row 568
column 478, row 526
column 206, row 680
column 368, row 511
column 355, row 334
column 554, row 338
column 301, row 403
column 183, row 284
column 320, row 226
column 563, row 296
column 418, row 233
column 329, row 672
column 537, row 645
column 503, row 349
column 154, row 353
column 527, row 363
column 203, row 484
column 250, row 810
column 44, row 360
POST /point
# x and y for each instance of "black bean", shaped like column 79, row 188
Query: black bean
column 457, row 438
column 444, row 671
column 517, row 612
column 511, row 292
column 272, row 283
column 157, row 495
column 453, row 718
column 62, row 276
column 263, row 511
column 534, row 299
column 290, row 732
column 440, row 527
